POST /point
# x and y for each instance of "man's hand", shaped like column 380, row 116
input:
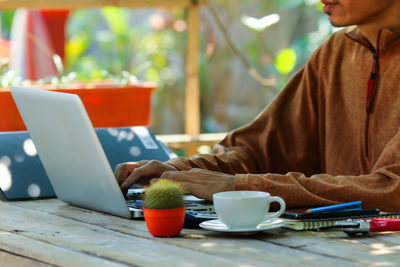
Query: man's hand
column 139, row 173
column 198, row 182
column 201, row 183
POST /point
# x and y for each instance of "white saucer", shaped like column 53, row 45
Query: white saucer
column 217, row 225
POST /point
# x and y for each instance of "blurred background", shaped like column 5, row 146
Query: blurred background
column 271, row 38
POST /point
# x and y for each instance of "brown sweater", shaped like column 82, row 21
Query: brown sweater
column 316, row 143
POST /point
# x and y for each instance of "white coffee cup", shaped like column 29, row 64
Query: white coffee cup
column 245, row 209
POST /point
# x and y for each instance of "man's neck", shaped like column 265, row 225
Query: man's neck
column 372, row 34
column 371, row 30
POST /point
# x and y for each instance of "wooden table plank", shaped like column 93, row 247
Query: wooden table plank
column 93, row 240
column 10, row 259
column 360, row 250
column 15, row 243
column 299, row 247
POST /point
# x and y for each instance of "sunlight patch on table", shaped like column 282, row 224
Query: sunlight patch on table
column 309, row 258
column 195, row 236
column 5, row 160
column 29, row 148
column 34, row 190
column 382, row 249
column 145, row 137
column 125, row 135
column 19, row 158
column 5, row 233
column 377, row 263
column 250, row 250
column 353, row 241
column 5, row 177
column 112, row 131
column 208, row 244
column 135, row 151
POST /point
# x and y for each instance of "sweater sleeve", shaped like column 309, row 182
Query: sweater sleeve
column 378, row 189
column 283, row 138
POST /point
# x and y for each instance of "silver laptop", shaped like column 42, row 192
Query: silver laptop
column 71, row 153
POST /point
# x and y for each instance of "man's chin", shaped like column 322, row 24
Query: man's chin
column 336, row 23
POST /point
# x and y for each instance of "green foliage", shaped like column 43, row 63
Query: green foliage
column 6, row 17
column 285, row 61
column 276, row 37
column 288, row 3
column 75, row 47
column 106, row 41
column 164, row 194
column 319, row 6
column 116, row 19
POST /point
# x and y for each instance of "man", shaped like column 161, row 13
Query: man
column 332, row 135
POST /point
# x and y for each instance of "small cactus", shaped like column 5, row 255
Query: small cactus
column 164, row 194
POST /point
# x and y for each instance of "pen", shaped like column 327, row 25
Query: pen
column 338, row 207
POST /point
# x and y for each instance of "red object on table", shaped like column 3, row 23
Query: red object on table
column 164, row 222
column 384, row 224
column 365, row 226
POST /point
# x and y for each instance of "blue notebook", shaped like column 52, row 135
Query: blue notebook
column 22, row 175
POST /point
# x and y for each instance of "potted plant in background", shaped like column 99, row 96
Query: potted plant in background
column 164, row 209
column 118, row 102
column 37, row 60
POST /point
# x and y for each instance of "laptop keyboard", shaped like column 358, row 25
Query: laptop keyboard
column 134, row 203
column 134, row 199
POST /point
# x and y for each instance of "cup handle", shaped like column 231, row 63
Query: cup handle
column 281, row 210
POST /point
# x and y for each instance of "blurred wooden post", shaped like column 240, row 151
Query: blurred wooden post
column 192, row 97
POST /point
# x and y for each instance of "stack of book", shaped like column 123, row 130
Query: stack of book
column 316, row 219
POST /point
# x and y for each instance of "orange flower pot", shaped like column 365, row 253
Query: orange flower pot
column 108, row 106
column 164, row 222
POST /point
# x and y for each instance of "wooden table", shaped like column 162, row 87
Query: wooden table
column 50, row 232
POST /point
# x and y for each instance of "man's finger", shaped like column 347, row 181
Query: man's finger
column 187, row 188
column 122, row 171
column 142, row 174
column 179, row 175
column 196, row 190
column 154, row 180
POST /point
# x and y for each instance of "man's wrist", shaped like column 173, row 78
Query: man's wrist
column 240, row 182
column 178, row 164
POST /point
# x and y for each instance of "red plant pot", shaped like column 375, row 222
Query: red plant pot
column 107, row 107
column 164, row 222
